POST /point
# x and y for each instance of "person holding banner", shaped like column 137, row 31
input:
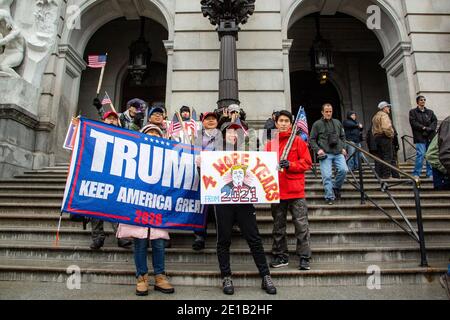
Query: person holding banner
column 209, row 139
column 97, row 231
column 292, row 193
column 141, row 236
column 156, row 117
column 134, row 107
column 244, row 214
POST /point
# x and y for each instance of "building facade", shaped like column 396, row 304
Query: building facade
column 382, row 49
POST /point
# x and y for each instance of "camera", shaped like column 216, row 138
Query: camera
column 333, row 139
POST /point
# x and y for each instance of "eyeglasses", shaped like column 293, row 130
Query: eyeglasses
column 423, row 100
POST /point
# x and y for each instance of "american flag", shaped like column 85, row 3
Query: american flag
column 106, row 99
column 192, row 124
column 97, row 62
column 175, row 125
column 302, row 124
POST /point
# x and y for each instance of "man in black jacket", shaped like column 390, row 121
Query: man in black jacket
column 353, row 133
column 423, row 124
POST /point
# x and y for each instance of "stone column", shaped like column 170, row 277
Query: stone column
column 228, row 73
column 287, row 44
column 168, row 44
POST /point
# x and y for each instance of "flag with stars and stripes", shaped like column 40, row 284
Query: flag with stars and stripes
column 97, row 61
column 302, row 124
column 175, row 125
column 106, row 99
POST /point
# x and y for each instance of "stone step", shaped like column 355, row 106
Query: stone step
column 313, row 209
column 347, row 198
column 244, row 275
column 68, row 251
column 180, row 238
column 265, row 222
column 346, row 190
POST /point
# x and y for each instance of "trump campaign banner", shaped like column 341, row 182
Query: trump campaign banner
column 230, row 177
column 128, row 177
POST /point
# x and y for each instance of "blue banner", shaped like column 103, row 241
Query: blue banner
column 128, row 177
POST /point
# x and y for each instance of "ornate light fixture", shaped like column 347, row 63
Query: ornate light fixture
column 321, row 55
column 140, row 57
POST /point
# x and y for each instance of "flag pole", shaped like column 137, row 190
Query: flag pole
column 101, row 78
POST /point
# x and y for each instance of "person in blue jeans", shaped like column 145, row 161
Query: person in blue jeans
column 423, row 123
column 327, row 140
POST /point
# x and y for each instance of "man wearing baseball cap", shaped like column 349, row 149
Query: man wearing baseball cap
column 111, row 117
column 134, row 106
column 383, row 133
column 156, row 116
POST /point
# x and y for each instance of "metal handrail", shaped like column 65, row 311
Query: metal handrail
column 404, row 149
column 359, row 185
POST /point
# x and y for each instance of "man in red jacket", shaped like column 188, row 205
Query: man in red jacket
column 292, row 194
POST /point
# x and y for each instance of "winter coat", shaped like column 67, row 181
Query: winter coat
column 353, row 132
column 420, row 119
column 292, row 179
column 382, row 125
column 444, row 144
column 125, row 120
column 320, row 131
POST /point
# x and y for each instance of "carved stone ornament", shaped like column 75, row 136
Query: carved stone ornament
column 223, row 10
column 12, row 43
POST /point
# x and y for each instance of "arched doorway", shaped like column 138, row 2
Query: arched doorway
column 371, row 64
column 115, row 38
column 309, row 93
column 361, row 81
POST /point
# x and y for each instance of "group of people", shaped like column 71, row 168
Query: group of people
column 226, row 129
column 221, row 129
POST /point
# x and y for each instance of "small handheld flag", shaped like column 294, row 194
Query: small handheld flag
column 175, row 125
column 302, row 125
column 106, row 99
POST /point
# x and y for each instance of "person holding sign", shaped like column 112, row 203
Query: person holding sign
column 292, row 194
column 157, row 238
column 97, row 231
column 244, row 214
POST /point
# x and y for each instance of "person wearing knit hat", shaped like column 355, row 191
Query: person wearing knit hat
column 152, row 129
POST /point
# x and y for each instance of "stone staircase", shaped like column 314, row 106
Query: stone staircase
column 346, row 238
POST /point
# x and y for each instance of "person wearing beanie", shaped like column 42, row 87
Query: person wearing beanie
column 383, row 134
column 134, row 107
column 157, row 237
column 244, row 215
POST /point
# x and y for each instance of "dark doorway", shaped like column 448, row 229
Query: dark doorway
column 307, row 91
column 152, row 90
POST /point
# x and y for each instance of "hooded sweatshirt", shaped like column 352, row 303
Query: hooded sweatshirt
column 292, row 179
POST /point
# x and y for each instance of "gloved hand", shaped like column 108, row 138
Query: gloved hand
column 284, row 164
column 97, row 103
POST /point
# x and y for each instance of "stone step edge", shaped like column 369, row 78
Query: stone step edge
column 263, row 232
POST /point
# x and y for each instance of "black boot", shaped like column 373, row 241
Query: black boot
column 268, row 286
column 199, row 243
column 97, row 244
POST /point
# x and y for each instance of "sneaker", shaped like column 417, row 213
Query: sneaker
column 199, row 243
column 329, row 202
column 268, row 286
column 304, row 264
column 228, row 287
column 97, row 244
column 279, row 262
column 124, row 243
